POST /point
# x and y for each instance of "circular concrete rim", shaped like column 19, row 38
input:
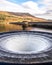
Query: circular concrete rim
column 7, row 43
column 42, row 57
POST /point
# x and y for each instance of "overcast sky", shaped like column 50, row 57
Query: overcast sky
column 43, row 7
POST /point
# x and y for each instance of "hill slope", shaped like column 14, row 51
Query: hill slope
column 19, row 17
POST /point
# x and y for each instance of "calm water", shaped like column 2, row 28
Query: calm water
column 11, row 27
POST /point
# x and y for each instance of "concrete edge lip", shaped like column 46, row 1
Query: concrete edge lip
column 26, row 58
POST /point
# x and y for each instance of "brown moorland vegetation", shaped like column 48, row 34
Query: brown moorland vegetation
column 7, row 17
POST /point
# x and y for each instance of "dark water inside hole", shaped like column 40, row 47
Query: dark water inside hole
column 50, row 63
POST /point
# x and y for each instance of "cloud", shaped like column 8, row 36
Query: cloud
column 47, row 5
column 45, row 16
column 8, row 6
column 33, row 7
column 29, row 6
column 47, row 8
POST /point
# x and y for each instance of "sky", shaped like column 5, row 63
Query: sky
column 39, row 8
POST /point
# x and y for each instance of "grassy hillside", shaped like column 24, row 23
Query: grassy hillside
column 7, row 17
column 18, row 17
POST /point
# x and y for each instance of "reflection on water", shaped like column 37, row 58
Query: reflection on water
column 41, row 29
column 9, row 27
column 2, row 27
